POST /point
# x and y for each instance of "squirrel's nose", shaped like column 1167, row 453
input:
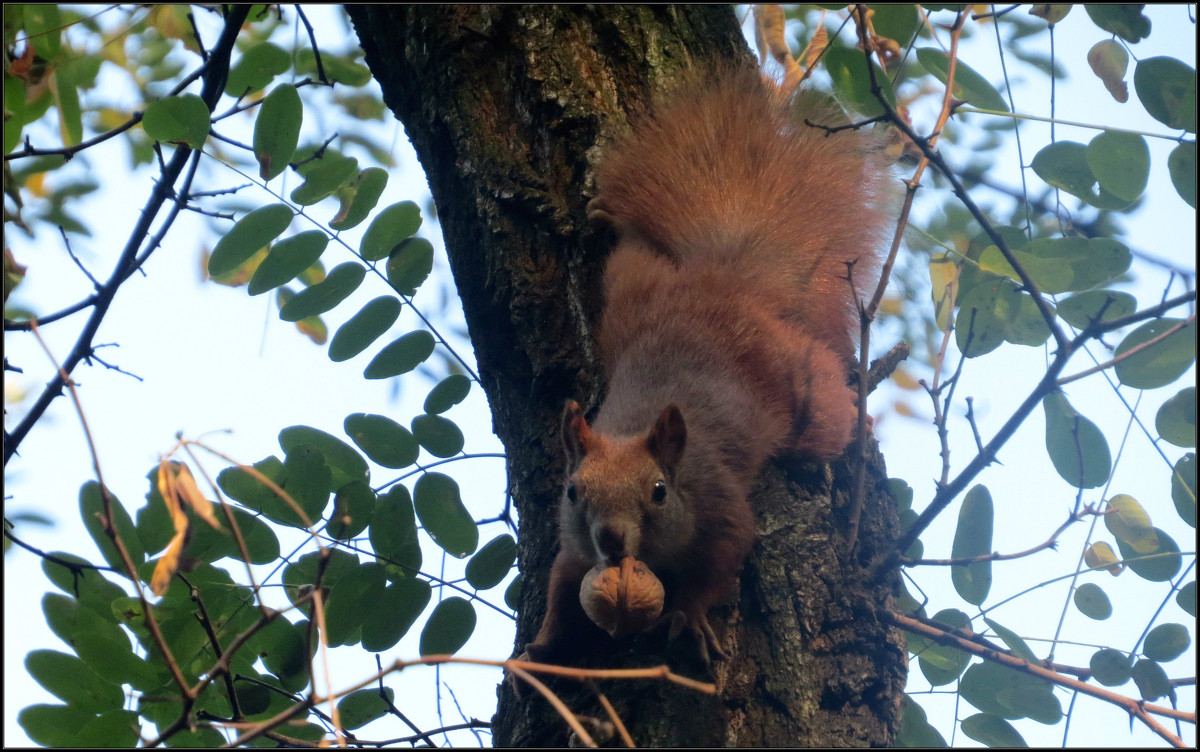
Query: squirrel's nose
column 610, row 540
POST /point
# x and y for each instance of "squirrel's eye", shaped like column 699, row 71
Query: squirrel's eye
column 572, row 495
column 659, row 495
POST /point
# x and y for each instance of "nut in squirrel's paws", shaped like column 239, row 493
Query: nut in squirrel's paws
column 622, row 600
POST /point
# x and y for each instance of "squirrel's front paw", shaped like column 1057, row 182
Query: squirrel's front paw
column 598, row 212
column 703, row 636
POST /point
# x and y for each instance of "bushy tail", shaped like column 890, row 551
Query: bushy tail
column 724, row 174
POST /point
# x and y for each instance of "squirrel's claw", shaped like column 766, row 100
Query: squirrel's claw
column 702, row 633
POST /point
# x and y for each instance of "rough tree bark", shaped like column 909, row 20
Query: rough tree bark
column 507, row 107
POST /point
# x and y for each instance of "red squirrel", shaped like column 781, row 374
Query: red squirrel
column 744, row 237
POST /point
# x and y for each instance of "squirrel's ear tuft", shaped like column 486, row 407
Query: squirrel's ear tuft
column 576, row 434
column 667, row 439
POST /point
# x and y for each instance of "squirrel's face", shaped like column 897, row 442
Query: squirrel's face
column 620, row 499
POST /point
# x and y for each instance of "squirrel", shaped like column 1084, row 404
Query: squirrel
column 745, row 239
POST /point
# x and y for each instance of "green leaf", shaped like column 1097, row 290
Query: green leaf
column 449, row 392
column 359, row 198
column 1112, row 668
column 357, row 709
column 85, row 583
column 968, row 85
column 1159, row 565
column 303, row 571
column 353, row 509
column 1183, row 488
column 1182, row 166
column 338, row 68
column 1160, row 363
column 1166, row 642
column 1028, row 327
column 394, row 533
column 992, row 731
column 1064, row 165
column 43, row 29
column 249, row 234
column 392, row 225
column 1128, row 521
column 116, row 728
column 363, row 328
column 1186, row 598
column 68, row 618
column 287, row 259
column 345, row 463
column 330, row 174
column 1076, row 446
column 70, row 680
column 241, row 486
column 338, row 285
column 1051, row 275
column 1092, row 602
column 441, row 511
column 1126, row 21
column 1013, row 641
column 899, row 21
column 852, row 81
column 439, row 436
column 255, row 69
column 449, row 627
column 1151, row 680
column 261, row 543
column 179, row 119
column 491, row 564
column 984, row 316
column 382, row 439
column 308, row 480
column 14, row 102
column 401, row 356
column 915, row 731
column 973, row 537
column 280, row 645
column 942, row 664
column 53, row 725
column 91, row 509
column 398, row 608
column 351, row 599
column 66, row 99
column 1093, row 261
column 1121, row 163
column 1167, row 89
column 1008, row 693
column 277, row 130
column 113, row 661
column 512, row 593
column 1081, row 310
column 409, row 265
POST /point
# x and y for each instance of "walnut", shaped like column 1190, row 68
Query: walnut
column 622, row 600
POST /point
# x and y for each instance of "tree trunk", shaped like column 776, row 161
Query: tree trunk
column 507, row 107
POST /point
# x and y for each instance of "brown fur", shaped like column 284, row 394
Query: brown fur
column 728, row 324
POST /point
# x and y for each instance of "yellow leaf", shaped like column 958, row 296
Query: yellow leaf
column 943, row 273
column 166, row 487
column 313, row 328
column 168, row 565
column 185, row 486
column 36, row 184
column 905, row 380
column 1101, row 556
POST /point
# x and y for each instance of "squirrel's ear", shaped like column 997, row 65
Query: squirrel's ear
column 576, row 433
column 667, row 438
